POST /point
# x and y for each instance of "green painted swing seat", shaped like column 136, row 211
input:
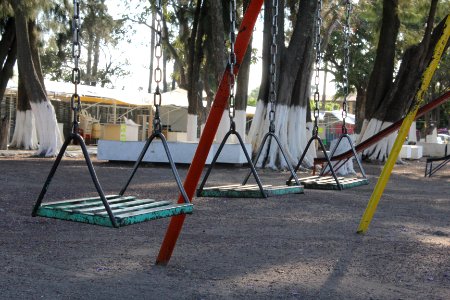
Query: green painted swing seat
column 126, row 209
column 249, row 191
column 328, row 182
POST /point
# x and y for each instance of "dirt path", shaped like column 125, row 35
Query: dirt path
column 290, row 247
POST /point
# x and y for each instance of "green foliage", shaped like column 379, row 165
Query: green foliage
column 253, row 97
column 365, row 25
column 97, row 27
column 329, row 106
column 5, row 12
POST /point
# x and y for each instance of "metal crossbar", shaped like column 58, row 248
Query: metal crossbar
column 430, row 170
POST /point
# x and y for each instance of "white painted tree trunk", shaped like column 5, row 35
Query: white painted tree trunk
column 343, row 146
column 239, row 120
column 432, row 138
column 224, row 127
column 24, row 136
column 412, row 136
column 258, row 128
column 290, row 128
column 47, row 128
column 191, row 135
column 380, row 151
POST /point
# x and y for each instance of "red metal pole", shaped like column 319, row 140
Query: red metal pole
column 209, row 132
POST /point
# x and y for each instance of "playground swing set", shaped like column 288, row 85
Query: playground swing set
column 245, row 190
column 323, row 181
column 119, row 210
column 114, row 210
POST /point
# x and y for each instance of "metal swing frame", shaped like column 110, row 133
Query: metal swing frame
column 322, row 181
column 112, row 210
column 244, row 190
column 345, row 136
column 315, row 134
column 230, row 191
column 201, row 191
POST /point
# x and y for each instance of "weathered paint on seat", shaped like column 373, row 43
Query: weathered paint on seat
column 249, row 191
column 328, row 182
column 127, row 210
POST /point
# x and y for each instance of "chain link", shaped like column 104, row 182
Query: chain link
column 75, row 100
column 348, row 10
column 273, row 66
column 158, row 74
column 318, row 61
column 232, row 63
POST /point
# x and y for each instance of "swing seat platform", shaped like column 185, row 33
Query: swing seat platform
column 126, row 209
column 328, row 182
column 248, row 191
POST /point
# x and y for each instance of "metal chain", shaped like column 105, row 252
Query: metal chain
column 75, row 100
column 318, row 41
column 232, row 63
column 346, row 63
column 273, row 67
column 158, row 71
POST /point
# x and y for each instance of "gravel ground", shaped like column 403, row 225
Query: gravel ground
column 289, row 247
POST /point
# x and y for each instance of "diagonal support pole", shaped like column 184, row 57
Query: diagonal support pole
column 403, row 132
column 212, row 123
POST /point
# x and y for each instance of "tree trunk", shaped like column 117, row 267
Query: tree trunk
column 360, row 107
column 293, row 88
column 46, row 124
column 8, row 55
column 195, row 57
column 183, row 82
column 242, row 87
column 4, row 133
column 90, row 50
column 93, row 75
column 216, row 55
column 400, row 96
column 7, row 40
column 381, row 77
column 24, row 136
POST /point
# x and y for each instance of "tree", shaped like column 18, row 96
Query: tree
column 99, row 33
column 242, row 87
column 388, row 98
column 8, row 53
column 295, row 66
column 8, row 56
column 31, row 84
column 195, row 47
column 363, row 22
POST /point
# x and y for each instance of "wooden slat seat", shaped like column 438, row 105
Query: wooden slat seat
column 328, row 182
column 248, row 191
column 126, row 209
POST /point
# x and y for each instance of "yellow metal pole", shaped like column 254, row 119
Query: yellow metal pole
column 403, row 132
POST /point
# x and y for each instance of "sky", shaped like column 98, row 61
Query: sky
column 138, row 55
